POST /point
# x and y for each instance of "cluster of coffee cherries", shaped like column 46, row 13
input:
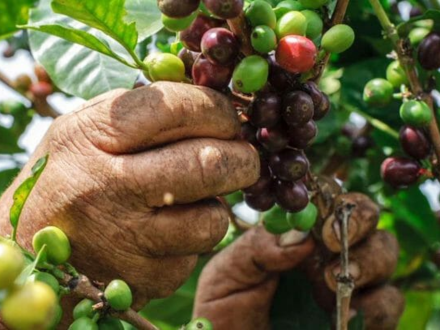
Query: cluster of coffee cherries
column 280, row 120
column 401, row 172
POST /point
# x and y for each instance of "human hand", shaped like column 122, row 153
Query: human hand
column 117, row 164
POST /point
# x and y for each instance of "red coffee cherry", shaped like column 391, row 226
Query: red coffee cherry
column 296, row 54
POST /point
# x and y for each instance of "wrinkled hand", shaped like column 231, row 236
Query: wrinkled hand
column 237, row 287
column 114, row 168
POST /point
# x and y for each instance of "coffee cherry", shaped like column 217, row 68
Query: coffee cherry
column 360, row 146
column 323, row 108
column 396, row 75
column 429, row 51
column 11, row 264
column 289, row 165
column 298, row 108
column 165, row 67
column 57, row 317
column 118, row 295
column 415, row 113
column 414, row 142
column 47, row 279
column 338, row 39
column 41, row 89
column 292, row 23
column 263, row 39
column 313, row 4
column 251, row 74
column 265, row 111
column 303, row 220
column 206, row 74
column 279, row 78
column 275, row 221
column 22, row 83
column 291, row 196
column 29, row 307
column 260, row 12
column 263, row 184
column 84, row 309
column 321, row 102
column 285, row 6
column 417, row 35
column 378, row 92
column 84, row 323
column 302, row 136
column 220, row 46
column 296, row 54
column 188, row 58
column 261, row 202
column 314, row 24
column 273, row 139
column 192, row 36
column 225, row 9
column 110, row 323
column 178, row 9
column 41, row 74
column 58, row 248
column 199, row 323
column 400, row 172
column 178, row 24
column 248, row 133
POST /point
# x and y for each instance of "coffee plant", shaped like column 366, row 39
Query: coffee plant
column 340, row 99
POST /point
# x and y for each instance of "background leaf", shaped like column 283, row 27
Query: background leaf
column 6, row 178
column 146, row 15
column 13, row 13
column 8, row 142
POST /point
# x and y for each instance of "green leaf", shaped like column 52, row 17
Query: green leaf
column 294, row 307
column 406, row 27
column 418, row 309
column 22, row 193
column 74, row 69
column 104, row 15
column 357, row 323
column 6, row 178
column 8, row 142
column 29, row 269
column 146, row 15
column 13, row 13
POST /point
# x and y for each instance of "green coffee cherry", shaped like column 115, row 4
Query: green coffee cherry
column 199, row 324
column 417, row 35
column 251, row 74
column 58, row 315
column 263, row 39
column 313, row 4
column 46, row 278
column 84, row 323
column 314, row 24
column 303, row 220
column 110, row 323
column 260, row 12
column 275, row 221
column 285, row 6
column 84, row 309
column 292, row 23
column 415, row 113
column 118, row 295
column 178, row 24
column 165, row 67
column 378, row 92
column 396, row 75
column 338, row 39
column 58, row 248
column 11, row 264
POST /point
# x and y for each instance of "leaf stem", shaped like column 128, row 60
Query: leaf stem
column 404, row 55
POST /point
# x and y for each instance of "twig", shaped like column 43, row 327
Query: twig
column 344, row 279
column 82, row 287
column 240, row 28
column 407, row 62
column 42, row 107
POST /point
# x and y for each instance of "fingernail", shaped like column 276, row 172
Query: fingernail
column 292, row 237
column 337, row 229
column 353, row 269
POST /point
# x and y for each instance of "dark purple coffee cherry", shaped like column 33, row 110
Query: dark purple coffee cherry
column 291, row 196
column 261, row 202
column 429, row 52
column 249, row 133
column 289, row 165
column 191, row 38
column 178, row 9
column 302, row 136
column 220, row 46
column 273, row 139
column 321, row 102
column 225, row 9
column 265, row 111
column 400, row 172
column 323, row 109
column 279, row 78
column 360, row 145
column 264, row 183
column 298, row 108
column 414, row 142
column 188, row 58
column 206, row 74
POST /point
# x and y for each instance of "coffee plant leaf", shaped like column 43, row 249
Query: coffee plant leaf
column 146, row 15
column 404, row 28
column 13, row 13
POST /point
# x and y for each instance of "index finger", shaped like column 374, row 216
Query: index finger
column 164, row 112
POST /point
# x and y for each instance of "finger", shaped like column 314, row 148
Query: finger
column 189, row 171
column 164, row 112
column 382, row 307
column 363, row 221
column 181, row 229
column 371, row 262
